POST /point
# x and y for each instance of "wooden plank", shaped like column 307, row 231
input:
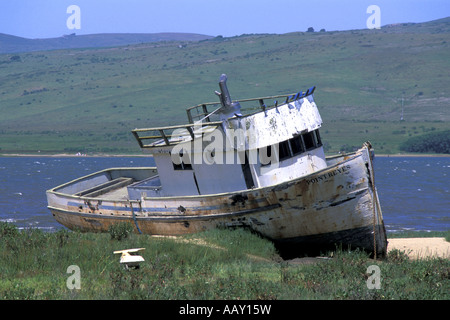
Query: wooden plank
column 105, row 187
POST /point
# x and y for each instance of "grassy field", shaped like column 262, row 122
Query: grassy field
column 89, row 99
column 13, row 44
column 218, row 264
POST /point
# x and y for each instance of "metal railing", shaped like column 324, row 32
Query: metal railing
column 164, row 136
column 203, row 112
column 202, row 119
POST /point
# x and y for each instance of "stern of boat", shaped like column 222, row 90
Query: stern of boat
column 379, row 230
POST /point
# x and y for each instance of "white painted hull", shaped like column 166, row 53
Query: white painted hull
column 336, row 205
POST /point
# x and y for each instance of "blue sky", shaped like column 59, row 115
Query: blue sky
column 47, row 18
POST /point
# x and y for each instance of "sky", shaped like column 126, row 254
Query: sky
column 49, row 18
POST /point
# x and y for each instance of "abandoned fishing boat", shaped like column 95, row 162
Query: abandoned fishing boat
column 237, row 164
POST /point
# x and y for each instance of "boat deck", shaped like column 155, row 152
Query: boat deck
column 122, row 189
column 115, row 189
column 117, row 194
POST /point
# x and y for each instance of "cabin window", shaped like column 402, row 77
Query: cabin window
column 318, row 139
column 292, row 147
column 308, row 138
column 284, row 150
column 184, row 162
column 297, row 145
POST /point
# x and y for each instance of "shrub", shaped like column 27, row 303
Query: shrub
column 436, row 142
column 120, row 231
column 8, row 230
column 397, row 256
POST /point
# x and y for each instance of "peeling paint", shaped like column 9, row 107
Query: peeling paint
column 291, row 209
column 219, row 173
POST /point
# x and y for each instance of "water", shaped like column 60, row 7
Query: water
column 24, row 180
column 414, row 191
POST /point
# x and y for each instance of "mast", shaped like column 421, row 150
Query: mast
column 229, row 108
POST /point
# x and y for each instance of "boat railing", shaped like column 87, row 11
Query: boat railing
column 203, row 119
column 167, row 136
column 208, row 111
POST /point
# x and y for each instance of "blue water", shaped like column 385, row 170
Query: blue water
column 414, row 191
column 24, row 180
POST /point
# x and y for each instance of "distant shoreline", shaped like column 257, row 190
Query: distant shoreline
column 69, row 155
column 437, row 155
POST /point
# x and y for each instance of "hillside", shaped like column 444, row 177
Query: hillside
column 13, row 44
column 88, row 100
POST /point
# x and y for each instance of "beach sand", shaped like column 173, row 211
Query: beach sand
column 419, row 248
column 415, row 248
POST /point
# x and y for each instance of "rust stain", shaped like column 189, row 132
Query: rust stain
column 297, row 208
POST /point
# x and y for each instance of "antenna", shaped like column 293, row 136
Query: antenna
column 401, row 118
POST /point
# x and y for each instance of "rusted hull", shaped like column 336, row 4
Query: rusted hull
column 335, row 206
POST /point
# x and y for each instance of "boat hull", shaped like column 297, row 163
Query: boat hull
column 336, row 206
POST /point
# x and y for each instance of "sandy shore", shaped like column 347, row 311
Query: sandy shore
column 417, row 248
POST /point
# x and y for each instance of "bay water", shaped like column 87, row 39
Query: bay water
column 414, row 191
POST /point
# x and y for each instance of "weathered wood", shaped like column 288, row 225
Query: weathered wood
column 306, row 208
column 306, row 201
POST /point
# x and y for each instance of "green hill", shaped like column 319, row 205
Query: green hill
column 88, row 100
column 13, row 44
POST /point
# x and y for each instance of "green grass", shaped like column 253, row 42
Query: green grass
column 89, row 99
column 385, row 136
column 218, row 264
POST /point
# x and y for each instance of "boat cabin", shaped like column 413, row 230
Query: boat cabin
column 234, row 145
